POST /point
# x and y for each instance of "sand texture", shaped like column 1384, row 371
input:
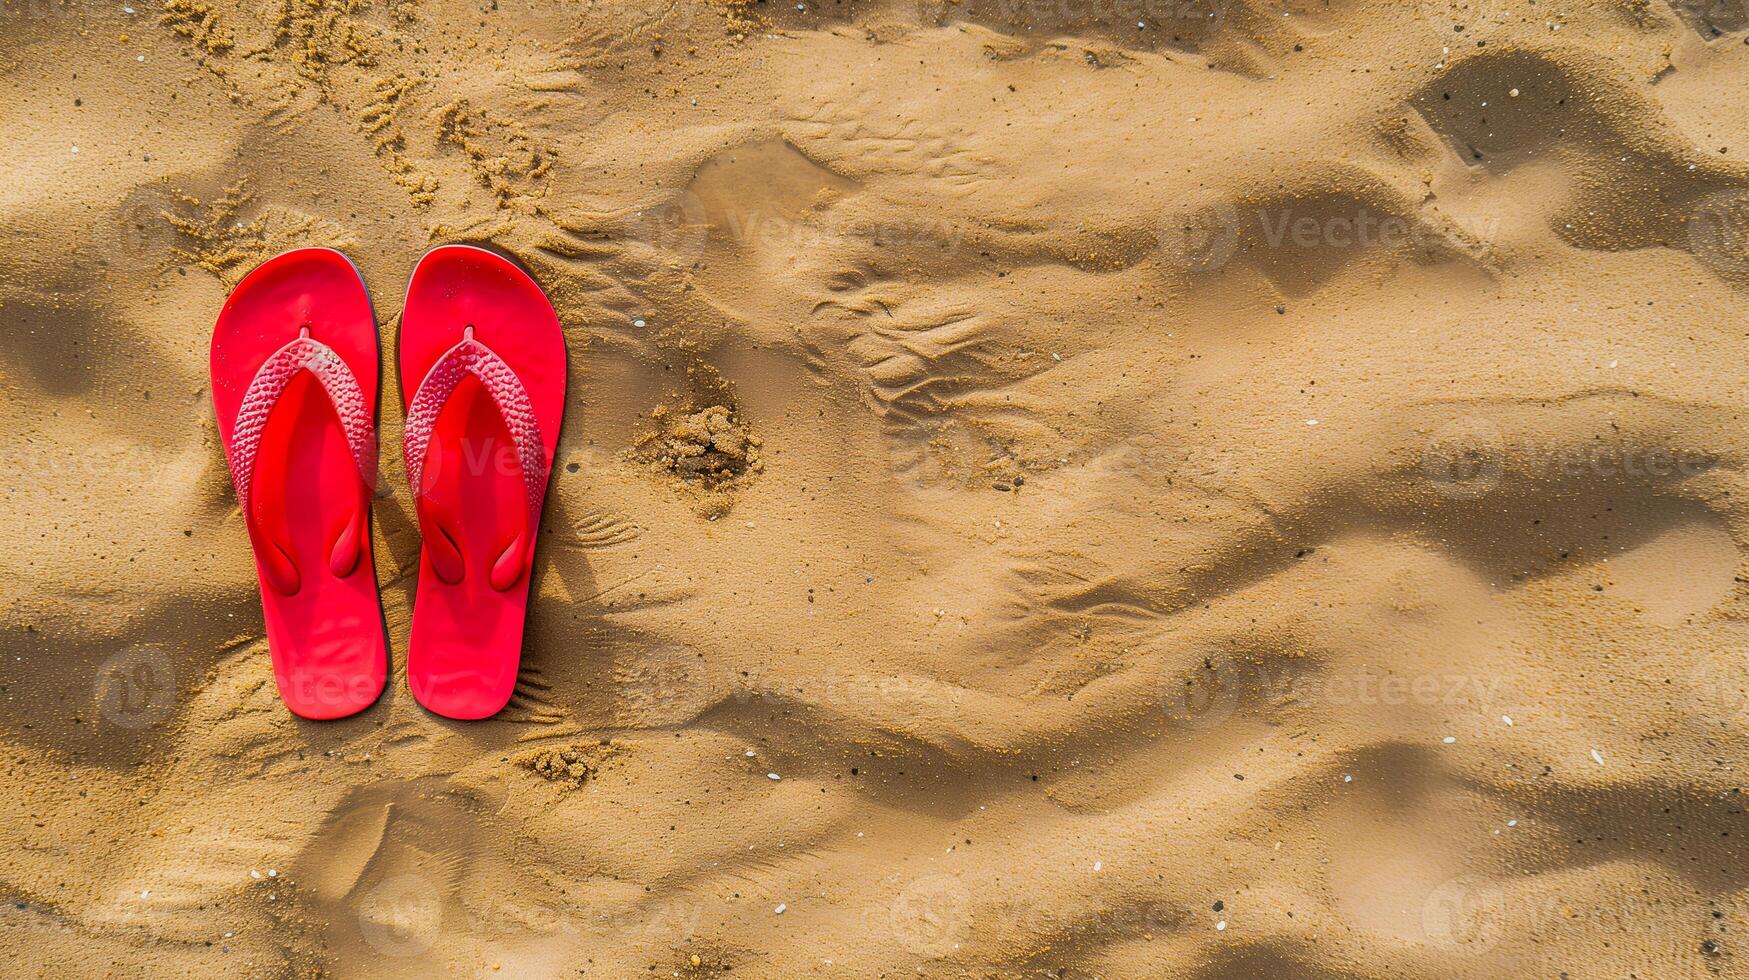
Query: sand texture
column 1160, row 489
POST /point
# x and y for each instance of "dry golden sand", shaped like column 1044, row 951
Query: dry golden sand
column 1182, row 446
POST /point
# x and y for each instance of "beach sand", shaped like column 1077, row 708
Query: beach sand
column 1076, row 489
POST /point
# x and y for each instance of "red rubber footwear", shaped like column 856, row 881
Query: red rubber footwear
column 294, row 371
column 483, row 376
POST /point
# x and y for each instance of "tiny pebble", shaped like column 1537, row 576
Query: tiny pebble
column 1221, row 926
column 774, row 777
column 1597, row 756
column 1450, row 739
column 779, row 909
column 1507, row 719
column 637, row 323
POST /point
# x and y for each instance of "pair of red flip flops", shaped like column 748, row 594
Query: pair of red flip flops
column 294, row 372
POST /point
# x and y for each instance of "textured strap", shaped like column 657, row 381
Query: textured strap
column 269, row 383
column 500, row 380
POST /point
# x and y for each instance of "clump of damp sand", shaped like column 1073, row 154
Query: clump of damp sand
column 710, row 450
column 572, row 764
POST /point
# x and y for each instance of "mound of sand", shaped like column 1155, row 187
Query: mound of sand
column 1200, row 489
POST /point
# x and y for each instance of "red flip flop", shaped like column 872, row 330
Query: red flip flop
column 483, row 377
column 294, row 372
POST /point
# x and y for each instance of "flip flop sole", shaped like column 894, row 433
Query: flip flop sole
column 482, row 361
column 294, row 380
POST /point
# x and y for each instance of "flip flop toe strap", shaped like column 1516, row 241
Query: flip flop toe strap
column 350, row 407
column 470, row 357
